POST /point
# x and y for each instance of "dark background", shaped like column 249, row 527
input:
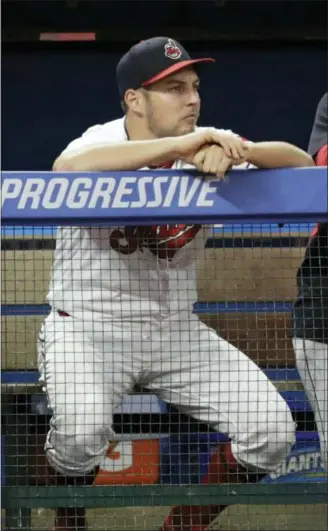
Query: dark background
column 269, row 75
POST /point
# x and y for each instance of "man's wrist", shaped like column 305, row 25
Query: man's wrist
column 171, row 148
column 251, row 149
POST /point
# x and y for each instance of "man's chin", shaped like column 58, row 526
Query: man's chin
column 185, row 129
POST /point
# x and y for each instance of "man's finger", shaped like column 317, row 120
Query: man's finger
column 222, row 140
column 219, row 155
column 227, row 148
column 209, row 161
column 223, row 167
column 200, row 156
column 237, row 150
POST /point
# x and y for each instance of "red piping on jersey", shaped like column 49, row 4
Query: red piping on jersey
column 164, row 166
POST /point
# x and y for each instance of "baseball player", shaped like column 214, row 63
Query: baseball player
column 122, row 298
column 311, row 307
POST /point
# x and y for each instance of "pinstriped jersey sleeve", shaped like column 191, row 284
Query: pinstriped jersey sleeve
column 319, row 133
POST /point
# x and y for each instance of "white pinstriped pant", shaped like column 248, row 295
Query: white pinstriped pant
column 312, row 365
column 87, row 368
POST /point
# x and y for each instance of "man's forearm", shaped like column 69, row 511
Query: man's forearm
column 278, row 155
column 117, row 157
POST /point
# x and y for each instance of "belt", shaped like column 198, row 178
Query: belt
column 63, row 314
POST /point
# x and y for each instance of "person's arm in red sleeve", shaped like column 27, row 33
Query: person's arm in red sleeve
column 321, row 158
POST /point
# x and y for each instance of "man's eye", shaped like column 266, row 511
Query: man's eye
column 180, row 89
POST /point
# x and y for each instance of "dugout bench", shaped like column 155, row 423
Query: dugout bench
column 253, row 274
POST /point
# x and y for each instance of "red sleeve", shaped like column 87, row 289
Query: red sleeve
column 321, row 158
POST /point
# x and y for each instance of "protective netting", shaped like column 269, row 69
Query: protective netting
column 151, row 363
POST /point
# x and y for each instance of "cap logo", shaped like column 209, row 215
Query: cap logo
column 172, row 50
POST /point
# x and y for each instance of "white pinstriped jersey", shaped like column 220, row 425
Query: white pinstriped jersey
column 132, row 273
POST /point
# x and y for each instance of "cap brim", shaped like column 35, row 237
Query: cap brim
column 175, row 68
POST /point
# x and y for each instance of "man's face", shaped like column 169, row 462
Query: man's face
column 172, row 105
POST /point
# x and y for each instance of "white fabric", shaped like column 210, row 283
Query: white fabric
column 88, row 367
column 312, row 365
column 91, row 280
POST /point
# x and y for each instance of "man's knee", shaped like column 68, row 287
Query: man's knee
column 281, row 436
column 75, row 454
column 267, row 443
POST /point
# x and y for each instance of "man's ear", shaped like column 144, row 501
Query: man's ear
column 135, row 101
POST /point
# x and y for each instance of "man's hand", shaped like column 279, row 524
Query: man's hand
column 212, row 160
column 188, row 146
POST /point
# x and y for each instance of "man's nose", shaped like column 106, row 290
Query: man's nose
column 193, row 97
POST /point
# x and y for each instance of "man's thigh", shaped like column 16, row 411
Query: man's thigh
column 84, row 376
column 210, row 379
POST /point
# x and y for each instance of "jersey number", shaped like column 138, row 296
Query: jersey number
column 163, row 241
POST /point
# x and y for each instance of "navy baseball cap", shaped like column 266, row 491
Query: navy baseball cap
column 152, row 60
